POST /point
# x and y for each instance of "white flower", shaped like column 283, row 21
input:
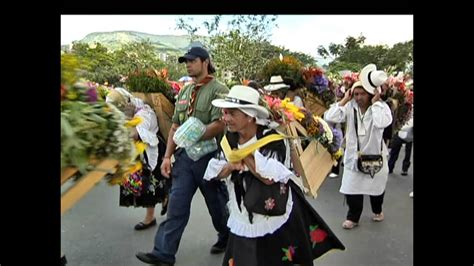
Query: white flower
column 327, row 129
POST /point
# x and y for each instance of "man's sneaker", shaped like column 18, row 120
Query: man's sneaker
column 404, row 173
column 218, row 247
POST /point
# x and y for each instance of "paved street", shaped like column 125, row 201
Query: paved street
column 96, row 231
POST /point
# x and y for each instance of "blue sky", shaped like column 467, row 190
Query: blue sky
column 301, row 33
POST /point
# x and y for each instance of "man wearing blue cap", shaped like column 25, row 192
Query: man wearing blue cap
column 194, row 100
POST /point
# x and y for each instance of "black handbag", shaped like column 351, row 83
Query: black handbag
column 368, row 163
column 265, row 199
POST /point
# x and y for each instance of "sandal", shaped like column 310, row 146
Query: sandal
column 348, row 224
column 378, row 217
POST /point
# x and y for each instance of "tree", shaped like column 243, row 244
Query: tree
column 241, row 49
column 353, row 55
column 97, row 62
column 135, row 56
column 101, row 65
column 175, row 69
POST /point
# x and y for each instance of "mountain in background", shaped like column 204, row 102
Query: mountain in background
column 170, row 44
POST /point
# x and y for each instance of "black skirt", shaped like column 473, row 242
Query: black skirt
column 150, row 198
column 303, row 238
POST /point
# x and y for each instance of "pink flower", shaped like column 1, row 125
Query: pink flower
column 269, row 204
column 272, row 101
column 289, row 115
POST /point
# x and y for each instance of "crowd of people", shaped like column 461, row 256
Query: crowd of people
column 239, row 163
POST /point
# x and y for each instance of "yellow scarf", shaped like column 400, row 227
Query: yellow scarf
column 238, row 155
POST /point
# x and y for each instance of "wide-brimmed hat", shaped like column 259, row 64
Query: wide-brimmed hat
column 357, row 84
column 244, row 98
column 276, row 83
column 372, row 78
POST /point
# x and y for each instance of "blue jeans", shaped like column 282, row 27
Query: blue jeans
column 187, row 177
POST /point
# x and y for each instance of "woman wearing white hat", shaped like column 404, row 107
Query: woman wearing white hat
column 270, row 221
column 366, row 117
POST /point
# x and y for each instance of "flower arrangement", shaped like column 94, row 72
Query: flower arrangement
column 404, row 97
column 288, row 67
column 283, row 112
column 91, row 128
column 150, row 81
column 318, row 129
column 317, row 84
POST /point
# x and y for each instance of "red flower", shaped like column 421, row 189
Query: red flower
column 317, row 235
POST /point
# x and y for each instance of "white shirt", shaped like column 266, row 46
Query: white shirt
column 147, row 131
column 370, row 126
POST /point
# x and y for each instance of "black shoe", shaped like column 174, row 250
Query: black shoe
column 164, row 206
column 63, row 260
column 404, row 173
column 218, row 247
column 151, row 259
column 390, row 171
column 143, row 226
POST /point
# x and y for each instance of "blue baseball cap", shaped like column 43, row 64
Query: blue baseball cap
column 194, row 53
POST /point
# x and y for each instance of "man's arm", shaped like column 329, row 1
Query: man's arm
column 171, row 146
column 213, row 129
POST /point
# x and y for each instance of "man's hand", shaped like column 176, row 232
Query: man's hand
column 347, row 97
column 376, row 95
column 166, row 167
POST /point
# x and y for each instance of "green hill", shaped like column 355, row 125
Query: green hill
column 170, row 44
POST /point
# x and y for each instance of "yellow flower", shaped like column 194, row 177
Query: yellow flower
column 298, row 115
column 136, row 167
column 284, row 102
column 139, row 147
column 134, row 122
column 338, row 154
column 293, row 109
